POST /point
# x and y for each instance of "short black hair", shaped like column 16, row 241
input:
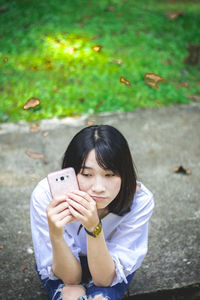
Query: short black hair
column 112, row 153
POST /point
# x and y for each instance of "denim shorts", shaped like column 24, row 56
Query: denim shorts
column 116, row 292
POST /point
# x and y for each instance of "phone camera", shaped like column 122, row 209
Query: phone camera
column 62, row 178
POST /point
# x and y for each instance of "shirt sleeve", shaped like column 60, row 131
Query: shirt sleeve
column 129, row 243
column 40, row 199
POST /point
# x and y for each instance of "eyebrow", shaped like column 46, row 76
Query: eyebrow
column 85, row 167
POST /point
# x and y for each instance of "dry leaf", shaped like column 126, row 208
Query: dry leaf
column 46, row 133
column 1, row 247
column 90, row 122
column 37, row 155
column 97, row 48
column 182, row 170
column 193, row 55
column 23, row 267
column 110, row 8
column 174, row 15
column 154, row 80
column 183, row 84
column 5, row 59
column 124, row 80
column 195, row 98
column 99, row 104
column 31, row 103
column 118, row 62
column 34, row 128
column 81, row 100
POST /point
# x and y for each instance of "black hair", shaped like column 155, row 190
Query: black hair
column 112, row 153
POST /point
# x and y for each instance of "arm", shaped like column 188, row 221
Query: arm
column 83, row 208
column 65, row 265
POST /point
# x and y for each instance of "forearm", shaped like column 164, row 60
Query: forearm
column 101, row 264
column 65, row 265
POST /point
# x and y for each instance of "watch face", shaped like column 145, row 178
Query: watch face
column 97, row 230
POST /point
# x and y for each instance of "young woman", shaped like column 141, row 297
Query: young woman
column 89, row 243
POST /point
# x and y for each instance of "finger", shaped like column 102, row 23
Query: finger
column 60, row 207
column 76, row 214
column 77, row 206
column 56, row 200
column 63, row 214
column 85, row 195
column 65, row 221
column 79, row 199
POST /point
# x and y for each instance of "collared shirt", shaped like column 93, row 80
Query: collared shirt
column 126, row 236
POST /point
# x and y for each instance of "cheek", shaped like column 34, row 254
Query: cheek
column 83, row 184
column 115, row 186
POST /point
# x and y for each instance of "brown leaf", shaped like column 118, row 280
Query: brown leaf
column 36, row 155
column 46, row 133
column 99, row 104
column 23, row 267
column 3, row 9
column 118, row 62
column 34, row 128
column 31, row 103
column 97, row 48
column 81, row 100
column 174, row 15
column 1, row 247
column 5, row 59
column 182, row 170
column 124, row 80
column 183, row 84
column 110, row 8
column 154, row 80
column 193, row 55
column 195, row 98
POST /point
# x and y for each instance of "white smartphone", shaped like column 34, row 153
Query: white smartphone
column 62, row 182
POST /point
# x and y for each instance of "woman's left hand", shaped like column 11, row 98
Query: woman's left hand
column 83, row 208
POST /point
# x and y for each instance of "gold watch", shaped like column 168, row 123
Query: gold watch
column 96, row 231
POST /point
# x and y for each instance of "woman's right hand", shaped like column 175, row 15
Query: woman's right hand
column 58, row 215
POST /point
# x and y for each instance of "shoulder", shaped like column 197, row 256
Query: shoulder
column 41, row 193
column 143, row 202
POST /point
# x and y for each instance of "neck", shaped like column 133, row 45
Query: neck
column 102, row 212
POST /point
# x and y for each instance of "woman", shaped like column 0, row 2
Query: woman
column 89, row 243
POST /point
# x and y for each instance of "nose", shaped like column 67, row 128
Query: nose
column 98, row 185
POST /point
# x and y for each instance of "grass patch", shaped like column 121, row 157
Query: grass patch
column 47, row 52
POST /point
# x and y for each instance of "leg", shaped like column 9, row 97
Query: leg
column 115, row 292
column 72, row 292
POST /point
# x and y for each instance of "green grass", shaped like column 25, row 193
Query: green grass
column 49, row 47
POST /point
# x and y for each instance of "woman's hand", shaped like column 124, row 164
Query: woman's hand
column 83, row 208
column 58, row 215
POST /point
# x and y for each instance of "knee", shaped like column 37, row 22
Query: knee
column 72, row 292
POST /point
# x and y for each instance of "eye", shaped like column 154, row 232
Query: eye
column 110, row 175
column 86, row 174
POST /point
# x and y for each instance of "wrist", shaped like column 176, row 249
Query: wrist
column 95, row 231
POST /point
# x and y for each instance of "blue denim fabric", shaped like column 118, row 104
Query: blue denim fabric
column 116, row 292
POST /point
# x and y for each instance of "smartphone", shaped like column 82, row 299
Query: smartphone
column 62, row 182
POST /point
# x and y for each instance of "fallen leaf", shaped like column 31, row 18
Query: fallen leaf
column 90, row 122
column 183, row 84
column 37, row 155
column 81, row 100
column 174, row 15
column 97, row 48
column 195, row 98
column 99, row 104
column 34, row 128
column 118, row 62
column 23, row 267
column 193, row 55
column 3, row 9
column 182, row 170
column 1, row 247
column 154, row 80
column 110, row 8
column 124, row 80
column 31, row 103
column 5, row 59
column 46, row 133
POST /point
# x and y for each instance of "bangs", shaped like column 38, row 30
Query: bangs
column 106, row 158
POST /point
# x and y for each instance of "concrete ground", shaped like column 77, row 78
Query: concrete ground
column 160, row 140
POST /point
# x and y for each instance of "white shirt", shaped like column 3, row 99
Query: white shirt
column 126, row 236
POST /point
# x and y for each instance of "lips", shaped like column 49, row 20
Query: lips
column 98, row 198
